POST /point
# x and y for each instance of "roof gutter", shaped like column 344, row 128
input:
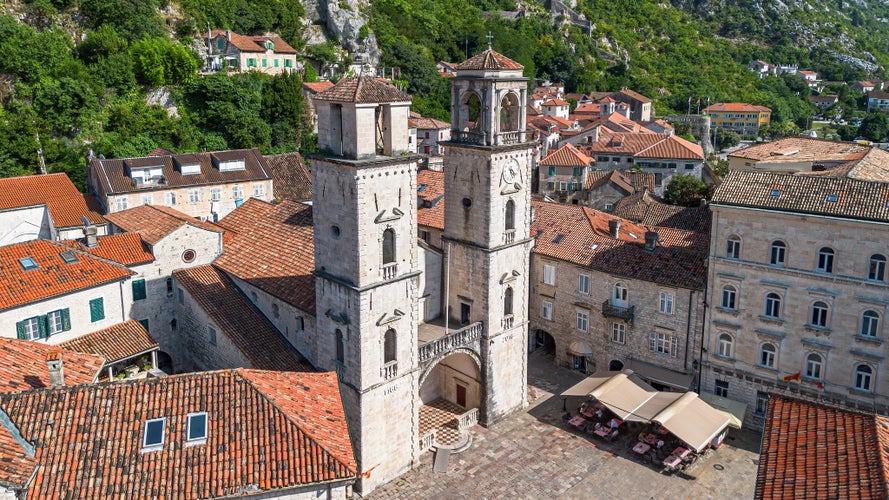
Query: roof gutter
column 801, row 214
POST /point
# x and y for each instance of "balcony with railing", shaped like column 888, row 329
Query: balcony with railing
column 477, row 137
column 388, row 271
column 507, row 322
column 508, row 236
column 625, row 313
column 446, row 342
column 467, row 419
column 389, row 370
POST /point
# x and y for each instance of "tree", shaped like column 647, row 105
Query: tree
column 686, row 190
column 284, row 109
column 161, row 61
column 874, row 127
column 726, row 138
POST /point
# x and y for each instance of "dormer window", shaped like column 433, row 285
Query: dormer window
column 190, row 168
column 28, row 263
column 196, row 432
column 231, row 165
column 147, row 175
column 269, row 45
column 153, row 435
column 68, row 257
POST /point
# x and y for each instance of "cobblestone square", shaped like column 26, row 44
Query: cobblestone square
column 533, row 455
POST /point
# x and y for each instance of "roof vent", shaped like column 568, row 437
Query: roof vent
column 55, row 368
column 614, row 228
column 651, row 240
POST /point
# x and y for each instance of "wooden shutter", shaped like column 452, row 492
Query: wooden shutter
column 66, row 319
column 20, row 330
column 42, row 326
column 97, row 309
column 138, row 289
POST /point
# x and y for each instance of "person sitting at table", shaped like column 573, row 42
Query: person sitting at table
column 614, row 435
column 599, row 413
column 614, row 424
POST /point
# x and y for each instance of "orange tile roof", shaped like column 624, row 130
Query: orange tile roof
column 645, row 209
column 115, row 343
column 316, row 87
column 239, row 319
column 735, row 106
column 589, row 108
column 89, row 437
column 586, row 241
column 53, row 277
column 292, row 178
column 646, row 145
column 814, row 450
column 273, row 248
column 673, row 147
column 16, row 464
column 430, row 123
column 555, row 102
column 489, row 60
column 633, row 95
column 362, row 89
column 430, row 210
column 566, row 156
column 127, row 249
column 597, row 178
column 65, row 203
column 23, row 365
column 797, row 149
column 255, row 43
column 155, row 222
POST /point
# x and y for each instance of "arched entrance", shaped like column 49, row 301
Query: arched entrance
column 451, row 392
column 615, row 366
column 165, row 362
column 544, row 342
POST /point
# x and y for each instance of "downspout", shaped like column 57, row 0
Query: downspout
column 691, row 295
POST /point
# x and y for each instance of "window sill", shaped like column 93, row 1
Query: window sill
column 811, row 380
column 767, row 368
column 733, row 312
column 723, row 357
column 818, row 329
column 868, row 340
column 860, row 392
column 770, row 319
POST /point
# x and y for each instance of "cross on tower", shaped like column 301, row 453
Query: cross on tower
column 490, row 39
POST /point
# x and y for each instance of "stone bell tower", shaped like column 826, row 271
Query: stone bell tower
column 486, row 237
column 366, row 269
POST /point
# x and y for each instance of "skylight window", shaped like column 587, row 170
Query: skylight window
column 595, row 246
column 775, row 193
column 421, row 187
column 197, row 428
column 68, row 257
column 28, row 263
column 558, row 238
column 634, row 236
column 832, row 198
column 153, row 434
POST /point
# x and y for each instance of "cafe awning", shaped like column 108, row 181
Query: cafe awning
column 693, row 421
column 587, row 385
column 660, row 375
column 580, row 348
column 735, row 410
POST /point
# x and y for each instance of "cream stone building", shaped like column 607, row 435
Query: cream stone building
column 798, row 291
column 266, row 53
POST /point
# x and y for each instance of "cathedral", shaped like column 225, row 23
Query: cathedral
column 374, row 280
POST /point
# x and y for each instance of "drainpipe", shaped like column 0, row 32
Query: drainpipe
column 691, row 295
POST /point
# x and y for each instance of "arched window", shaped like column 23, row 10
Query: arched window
column 777, row 253
column 510, row 215
column 724, row 346
column 388, row 246
column 507, row 301
column 863, row 377
column 819, row 314
column 389, row 346
column 733, row 247
column 877, row 269
column 767, row 355
column 870, row 323
column 729, row 297
column 825, row 260
column 340, row 346
column 773, row 306
column 814, row 363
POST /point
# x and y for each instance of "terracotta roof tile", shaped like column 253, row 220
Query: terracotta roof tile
column 567, row 156
column 430, row 123
column 586, row 241
column 796, row 149
column 89, row 437
column 735, row 106
column 648, row 210
column 292, row 178
column 555, row 102
column 316, row 87
column 842, row 197
column 430, row 190
column 23, row 365
column 489, row 60
column 239, row 319
column 813, row 450
column 255, row 43
column 115, row 343
column 16, row 464
column 155, row 222
column 634, row 95
column 647, row 145
column 65, row 203
column 114, row 177
column 53, row 276
column 362, row 89
column 127, row 249
column 273, row 248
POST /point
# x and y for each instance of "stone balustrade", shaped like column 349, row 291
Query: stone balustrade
column 427, row 440
column 459, row 338
column 468, row 419
column 389, row 271
column 389, row 370
column 508, row 236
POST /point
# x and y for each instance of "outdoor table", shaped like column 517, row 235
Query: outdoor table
column 672, row 461
column 577, row 421
column 602, row 431
column 588, row 412
column 650, row 439
column 681, row 452
column 641, row 448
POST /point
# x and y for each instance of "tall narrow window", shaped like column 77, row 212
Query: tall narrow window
column 510, row 215
column 870, row 323
column 620, row 296
column 733, row 247
column 666, row 303
column 819, row 314
column 725, row 345
column 340, row 346
column 389, row 346
column 767, row 355
column 863, row 377
column 877, row 269
column 388, row 246
column 814, row 362
column 777, row 253
column 773, row 306
column 507, row 301
column 729, row 297
column 825, row 260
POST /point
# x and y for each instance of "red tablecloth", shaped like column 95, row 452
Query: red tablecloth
column 602, row 431
column 672, row 461
column 681, row 452
column 641, row 448
column 577, row 421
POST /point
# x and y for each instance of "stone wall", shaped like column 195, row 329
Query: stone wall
column 197, row 352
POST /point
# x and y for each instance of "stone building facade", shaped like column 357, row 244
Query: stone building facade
column 798, row 291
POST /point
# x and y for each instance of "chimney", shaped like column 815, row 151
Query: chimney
column 55, row 368
column 651, row 239
column 614, row 228
column 90, row 238
column 228, row 35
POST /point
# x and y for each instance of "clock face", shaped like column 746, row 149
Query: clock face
column 511, row 172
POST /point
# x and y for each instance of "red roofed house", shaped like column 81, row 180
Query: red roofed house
column 266, row 53
column 309, row 91
column 745, row 119
column 814, row 450
column 609, row 294
column 563, row 174
column 430, row 134
column 45, row 206
column 232, row 433
column 555, row 107
column 24, row 365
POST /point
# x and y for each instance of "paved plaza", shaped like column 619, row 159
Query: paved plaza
column 534, row 455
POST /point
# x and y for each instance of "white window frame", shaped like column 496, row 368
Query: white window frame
column 196, row 439
column 814, row 369
column 876, row 267
column 665, row 305
column 618, row 333
column 583, row 284
column 32, row 328
column 663, row 343
column 725, row 345
column 216, row 194
column 54, row 323
column 776, row 304
column 869, row 326
column 620, row 296
column 733, row 247
column 821, row 313
column 777, row 253
column 170, row 199
column 120, row 203
column 238, row 192
column 194, row 196
column 153, row 446
column 147, row 199
column 771, row 355
column 549, row 274
column 258, row 190
column 826, row 260
column 546, row 310
column 583, row 321
column 858, row 377
column 729, row 298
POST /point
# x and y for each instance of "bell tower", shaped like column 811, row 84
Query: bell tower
column 486, row 238
column 366, row 269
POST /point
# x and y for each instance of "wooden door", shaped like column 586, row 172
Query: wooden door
column 461, row 395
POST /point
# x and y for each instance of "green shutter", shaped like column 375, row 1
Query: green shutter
column 138, row 289
column 20, row 330
column 552, row 170
column 144, row 323
column 66, row 319
column 44, row 331
column 97, row 309
column 276, row 63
